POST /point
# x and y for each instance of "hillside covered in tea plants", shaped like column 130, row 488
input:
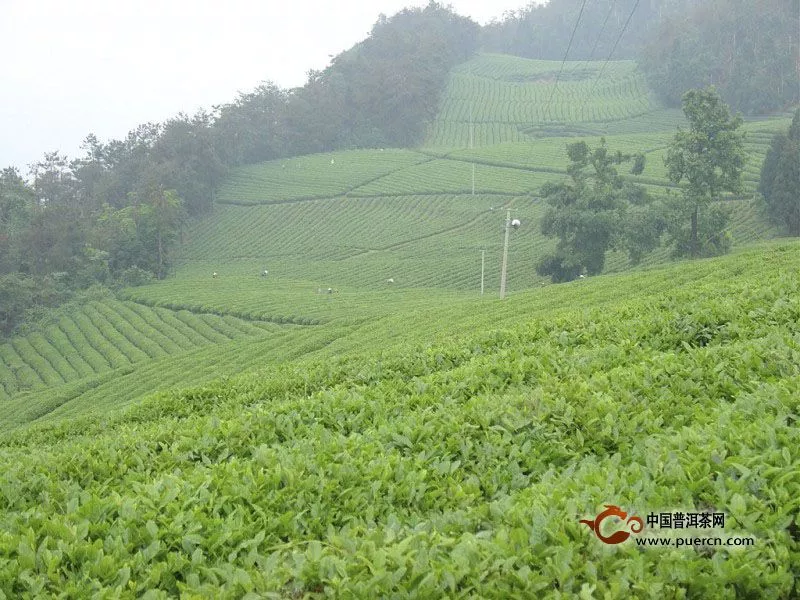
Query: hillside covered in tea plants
column 449, row 455
column 325, row 398
column 387, row 231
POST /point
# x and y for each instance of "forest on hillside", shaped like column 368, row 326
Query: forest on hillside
column 544, row 31
column 748, row 49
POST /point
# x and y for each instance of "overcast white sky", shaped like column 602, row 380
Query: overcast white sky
column 105, row 66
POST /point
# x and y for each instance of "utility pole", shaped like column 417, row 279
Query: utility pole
column 471, row 134
column 483, row 268
column 471, row 145
column 503, row 270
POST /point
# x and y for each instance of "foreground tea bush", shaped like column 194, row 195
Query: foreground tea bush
column 457, row 469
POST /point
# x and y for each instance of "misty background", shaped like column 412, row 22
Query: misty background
column 93, row 66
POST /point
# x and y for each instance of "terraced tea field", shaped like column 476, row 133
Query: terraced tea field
column 449, row 453
column 100, row 336
column 388, row 231
column 508, row 99
column 313, row 176
column 332, row 229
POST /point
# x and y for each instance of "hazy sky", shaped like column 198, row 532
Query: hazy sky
column 71, row 68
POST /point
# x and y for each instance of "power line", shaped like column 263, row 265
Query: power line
column 572, row 37
column 610, row 54
column 602, row 29
column 599, row 36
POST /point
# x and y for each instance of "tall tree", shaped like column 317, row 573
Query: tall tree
column 708, row 158
column 252, row 128
column 780, row 179
column 16, row 209
column 161, row 221
column 594, row 212
column 54, row 181
column 184, row 159
column 384, row 90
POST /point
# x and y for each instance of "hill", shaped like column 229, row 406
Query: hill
column 456, row 459
column 360, row 421
column 509, row 100
column 351, row 221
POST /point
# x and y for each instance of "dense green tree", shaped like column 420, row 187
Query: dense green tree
column 17, row 201
column 115, row 234
column 184, row 159
column 252, row 128
column 386, row 89
column 593, row 212
column 55, row 241
column 54, row 181
column 164, row 221
column 780, row 179
column 708, row 158
column 20, row 293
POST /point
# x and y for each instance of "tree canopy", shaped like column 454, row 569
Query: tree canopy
column 780, row 179
column 544, row 30
column 708, row 158
column 746, row 48
column 595, row 211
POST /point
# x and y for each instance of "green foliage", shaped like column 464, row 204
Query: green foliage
column 639, row 161
column 711, row 224
column 709, row 157
column 385, row 90
column 545, row 30
column 140, row 236
column 160, row 226
column 251, row 129
column 186, row 162
column 746, row 48
column 19, row 293
column 458, row 466
column 16, row 207
column 134, row 276
column 506, row 100
column 589, row 215
column 780, row 179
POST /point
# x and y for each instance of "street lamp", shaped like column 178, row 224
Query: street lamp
column 515, row 223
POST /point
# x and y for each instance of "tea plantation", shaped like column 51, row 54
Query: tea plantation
column 455, row 459
column 360, row 422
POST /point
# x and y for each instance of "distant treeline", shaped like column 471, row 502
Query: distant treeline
column 113, row 215
column 543, row 31
column 748, row 49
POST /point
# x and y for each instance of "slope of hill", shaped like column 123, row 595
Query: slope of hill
column 453, row 453
column 511, row 99
column 354, row 221
column 103, row 335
